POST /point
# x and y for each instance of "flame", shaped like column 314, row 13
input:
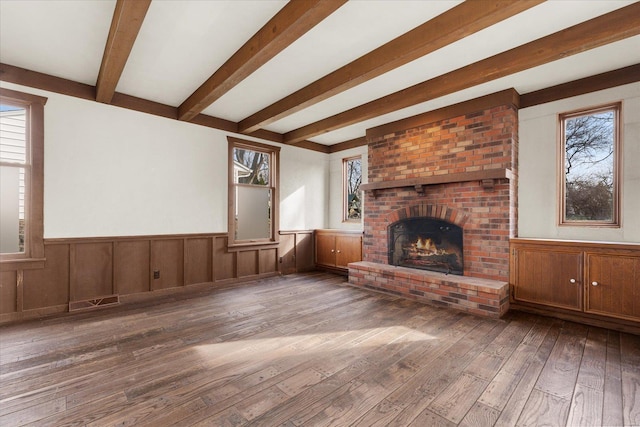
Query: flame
column 426, row 244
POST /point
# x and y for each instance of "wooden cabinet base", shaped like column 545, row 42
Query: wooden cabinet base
column 589, row 282
column 335, row 249
column 573, row 316
column 336, row 270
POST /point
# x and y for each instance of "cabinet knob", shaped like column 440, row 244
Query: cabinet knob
column 338, row 251
column 332, row 250
column 594, row 283
column 572, row 281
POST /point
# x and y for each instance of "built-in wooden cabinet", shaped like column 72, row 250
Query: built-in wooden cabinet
column 601, row 280
column 548, row 277
column 613, row 285
column 335, row 249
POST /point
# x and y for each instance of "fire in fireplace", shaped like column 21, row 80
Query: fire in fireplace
column 426, row 243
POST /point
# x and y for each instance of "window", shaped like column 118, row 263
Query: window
column 590, row 184
column 253, row 192
column 352, row 178
column 21, row 176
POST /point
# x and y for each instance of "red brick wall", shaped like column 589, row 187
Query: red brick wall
column 468, row 143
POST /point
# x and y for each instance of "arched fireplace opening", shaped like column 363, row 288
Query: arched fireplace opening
column 426, row 243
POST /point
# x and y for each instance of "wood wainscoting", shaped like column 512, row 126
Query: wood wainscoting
column 80, row 270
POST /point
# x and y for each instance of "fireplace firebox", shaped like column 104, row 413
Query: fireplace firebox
column 426, row 243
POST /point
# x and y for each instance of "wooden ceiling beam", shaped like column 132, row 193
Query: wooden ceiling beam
column 34, row 79
column 125, row 25
column 611, row 27
column 619, row 77
column 446, row 28
column 289, row 24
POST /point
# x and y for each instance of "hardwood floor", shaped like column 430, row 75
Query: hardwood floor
column 308, row 350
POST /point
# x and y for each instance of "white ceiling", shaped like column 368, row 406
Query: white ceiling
column 181, row 44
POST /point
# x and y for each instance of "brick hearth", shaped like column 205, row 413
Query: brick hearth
column 476, row 143
column 484, row 297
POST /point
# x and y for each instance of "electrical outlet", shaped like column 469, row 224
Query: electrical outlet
column 156, row 274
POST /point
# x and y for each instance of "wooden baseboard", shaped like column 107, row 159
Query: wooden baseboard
column 36, row 313
column 585, row 318
column 94, row 303
column 336, row 270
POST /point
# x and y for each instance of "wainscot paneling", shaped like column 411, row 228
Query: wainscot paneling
column 198, row 260
column 287, row 260
column 86, row 269
column 8, row 291
column 91, row 268
column 247, row 263
column 132, row 260
column 49, row 286
column 225, row 264
column 305, row 260
column 268, row 260
column 296, row 251
column 167, row 263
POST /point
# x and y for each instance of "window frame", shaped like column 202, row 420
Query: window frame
column 345, row 190
column 274, row 184
column 33, row 255
column 615, row 222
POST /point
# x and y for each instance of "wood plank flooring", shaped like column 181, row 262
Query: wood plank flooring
column 309, row 350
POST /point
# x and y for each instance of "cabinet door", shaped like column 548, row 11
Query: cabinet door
column 613, row 285
column 325, row 249
column 348, row 249
column 549, row 277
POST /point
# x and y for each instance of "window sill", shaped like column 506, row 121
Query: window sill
column 586, row 224
column 237, row 247
column 22, row 264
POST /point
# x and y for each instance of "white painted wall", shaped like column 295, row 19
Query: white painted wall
column 538, row 188
column 336, row 187
column 304, row 192
column 115, row 172
column 110, row 171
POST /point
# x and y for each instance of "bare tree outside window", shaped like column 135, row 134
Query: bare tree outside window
column 352, row 177
column 256, row 164
column 590, row 166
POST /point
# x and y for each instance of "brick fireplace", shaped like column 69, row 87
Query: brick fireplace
column 458, row 166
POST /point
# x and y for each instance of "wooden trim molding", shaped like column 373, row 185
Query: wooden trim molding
column 616, row 176
column 418, row 183
column 34, row 79
column 34, row 220
column 586, row 244
column 21, row 97
column 274, row 185
column 614, row 26
column 100, row 239
column 346, row 145
column 22, row 264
